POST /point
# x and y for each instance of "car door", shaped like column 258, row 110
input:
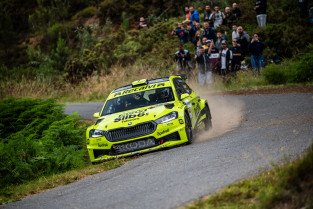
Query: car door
column 190, row 101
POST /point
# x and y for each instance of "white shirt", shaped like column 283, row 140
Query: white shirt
column 234, row 35
column 223, row 58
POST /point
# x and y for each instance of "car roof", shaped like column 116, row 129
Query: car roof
column 157, row 80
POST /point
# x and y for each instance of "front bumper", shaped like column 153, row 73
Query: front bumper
column 166, row 135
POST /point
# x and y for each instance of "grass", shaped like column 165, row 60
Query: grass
column 287, row 186
column 17, row 192
column 95, row 88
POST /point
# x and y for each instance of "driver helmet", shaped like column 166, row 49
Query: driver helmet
column 165, row 93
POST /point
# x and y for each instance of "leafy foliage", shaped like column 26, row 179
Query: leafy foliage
column 293, row 71
column 37, row 138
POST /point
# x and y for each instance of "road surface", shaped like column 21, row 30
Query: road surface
column 271, row 127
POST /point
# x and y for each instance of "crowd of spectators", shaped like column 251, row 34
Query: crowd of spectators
column 212, row 52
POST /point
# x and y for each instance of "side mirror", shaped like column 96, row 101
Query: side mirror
column 183, row 96
column 96, row 115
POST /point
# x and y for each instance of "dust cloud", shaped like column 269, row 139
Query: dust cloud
column 226, row 116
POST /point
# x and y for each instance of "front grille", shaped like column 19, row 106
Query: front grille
column 138, row 130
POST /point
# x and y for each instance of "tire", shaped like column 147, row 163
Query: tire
column 188, row 128
column 207, row 120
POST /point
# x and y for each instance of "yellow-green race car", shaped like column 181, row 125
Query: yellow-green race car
column 145, row 116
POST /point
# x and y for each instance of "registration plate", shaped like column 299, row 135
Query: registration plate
column 134, row 146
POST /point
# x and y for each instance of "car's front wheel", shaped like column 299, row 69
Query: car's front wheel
column 188, row 128
column 207, row 120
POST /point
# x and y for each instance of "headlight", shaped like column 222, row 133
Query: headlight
column 167, row 118
column 93, row 133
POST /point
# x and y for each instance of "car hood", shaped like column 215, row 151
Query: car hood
column 134, row 116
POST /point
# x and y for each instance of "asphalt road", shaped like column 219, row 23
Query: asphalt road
column 272, row 128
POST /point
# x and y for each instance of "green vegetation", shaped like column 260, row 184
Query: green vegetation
column 66, row 43
column 37, row 139
column 286, row 186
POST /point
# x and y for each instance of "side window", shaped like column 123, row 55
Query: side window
column 179, row 89
column 184, row 86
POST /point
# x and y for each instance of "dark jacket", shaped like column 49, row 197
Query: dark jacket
column 237, row 12
column 244, row 40
column 209, row 34
column 262, row 7
column 203, row 63
column 256, row 48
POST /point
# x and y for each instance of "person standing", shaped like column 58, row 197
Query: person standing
column 181, row 32
column 218, row 42
column 188, row 14
column 256, row 48
column 236, row 10
column 236, row 59
column 243, row 41
column 229, row 17
column 208, row 32
column 203, row 66
column 225, row 56
column 235, row 32
column 260, row 9
column 217, row 17
column 183, row 59
column 207, row 13
column 194, row 16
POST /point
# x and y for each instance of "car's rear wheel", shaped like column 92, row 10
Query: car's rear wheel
column 207, row 120
column 188, row 128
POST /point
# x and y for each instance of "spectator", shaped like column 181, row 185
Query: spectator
column 198, row 28
column 191, row 34
column 207, row 14
column 229, row 17
column 225, row 56
column 181, row 32
column 142, row 23
column 217, row 17
column 214, row 58
column 183, row 59
column 236, row 59
column 256, row 48
column 198, row 37
column 234, row 33
column 243, row 40
column 208, row 32
column 218, row 42
column 303, row 8
column 194, row 16
column 236, row 10
column 204, row 43
column 260, row 8
column 203, row 66
column 187, row 20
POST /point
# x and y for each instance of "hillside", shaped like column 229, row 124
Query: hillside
column 54, row 46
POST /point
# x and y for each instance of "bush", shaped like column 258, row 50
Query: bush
column 37, row 138
column 85, row 13
column 291, row 71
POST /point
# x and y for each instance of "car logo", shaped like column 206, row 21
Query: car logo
column 130, row 123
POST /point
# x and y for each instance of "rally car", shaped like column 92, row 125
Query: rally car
column 145, row 116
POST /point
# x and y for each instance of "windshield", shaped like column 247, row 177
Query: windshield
column 138, row 99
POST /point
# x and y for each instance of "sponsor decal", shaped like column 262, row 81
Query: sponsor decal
column 181, row 121
column 131, row 116
column 133, row 90
column 163, row 132
column 102, row 144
